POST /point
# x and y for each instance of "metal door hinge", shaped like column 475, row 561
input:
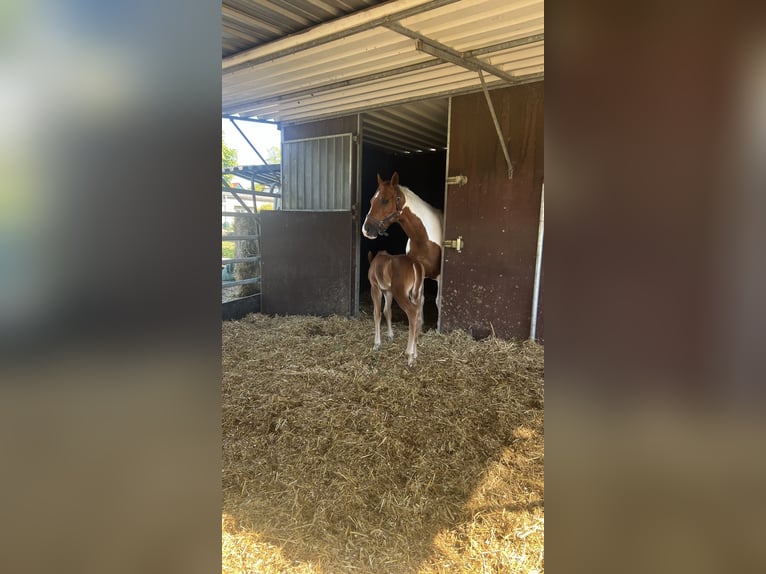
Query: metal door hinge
column 454, row 243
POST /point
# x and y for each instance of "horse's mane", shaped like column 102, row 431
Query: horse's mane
column 428, row 214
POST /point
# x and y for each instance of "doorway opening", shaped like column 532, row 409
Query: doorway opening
column 411, row 140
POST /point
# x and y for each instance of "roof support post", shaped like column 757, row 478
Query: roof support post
column 538, row 267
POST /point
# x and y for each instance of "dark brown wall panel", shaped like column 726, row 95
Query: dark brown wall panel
column 488, row 287
column 306, row 263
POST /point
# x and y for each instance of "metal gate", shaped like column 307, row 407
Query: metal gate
column 317, row 173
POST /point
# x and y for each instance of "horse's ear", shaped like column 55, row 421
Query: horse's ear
column 380, row 179
column 395, row 179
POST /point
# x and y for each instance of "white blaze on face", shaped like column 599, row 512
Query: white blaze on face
column 377, row 194
column 374, row 197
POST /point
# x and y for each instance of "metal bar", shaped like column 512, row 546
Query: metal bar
column 497, row 125
column 444, row 216
column 444, row 52
column 235, row 190
column 254, row 258
column 458, row 59
column 239, row 237
column 318, row 138
column 445, row 55
column 242, row 203
column 538, row 267
column 248, row 141
column 533, row 39
column 330, row 31
column 225, row 284
column 258, row 169
column 264, row 179
column 356, row 200
column 235, row 214
column 245, row 119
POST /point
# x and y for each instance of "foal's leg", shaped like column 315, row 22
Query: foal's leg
column 376, row 295
column 389, row 297
column 413, row 312
column 412, row 308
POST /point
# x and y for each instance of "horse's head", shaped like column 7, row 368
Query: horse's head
column 385, row 208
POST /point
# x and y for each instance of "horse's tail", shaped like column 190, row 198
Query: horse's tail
column 416, row 293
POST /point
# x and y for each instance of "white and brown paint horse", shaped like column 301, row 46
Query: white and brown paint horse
column 394, row 203
column 397, row 277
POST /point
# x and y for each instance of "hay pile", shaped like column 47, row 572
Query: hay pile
column 336, row 458
column 247, row 248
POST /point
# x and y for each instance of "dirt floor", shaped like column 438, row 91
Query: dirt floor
column 340, row 459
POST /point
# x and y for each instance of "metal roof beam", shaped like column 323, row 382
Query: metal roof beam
column 330, row 31
column 234, row 123
column 244, row 119
column 443, row 52
column 533, row 39
column 456, row 58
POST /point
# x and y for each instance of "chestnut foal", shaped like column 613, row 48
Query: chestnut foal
column 394, row 203
column 399, row 277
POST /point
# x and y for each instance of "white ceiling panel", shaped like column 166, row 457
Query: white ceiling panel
column 292, row 61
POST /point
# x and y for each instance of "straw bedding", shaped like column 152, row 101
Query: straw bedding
column 340, row 459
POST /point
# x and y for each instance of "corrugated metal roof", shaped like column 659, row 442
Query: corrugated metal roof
column 247, row 24
column 398, row 52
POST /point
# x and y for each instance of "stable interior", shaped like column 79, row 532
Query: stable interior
column 410, row 139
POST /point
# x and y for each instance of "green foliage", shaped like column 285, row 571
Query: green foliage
column 274, row 155
column 228, row 159
column 227, row 249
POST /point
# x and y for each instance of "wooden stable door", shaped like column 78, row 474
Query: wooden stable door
column 487, row 287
